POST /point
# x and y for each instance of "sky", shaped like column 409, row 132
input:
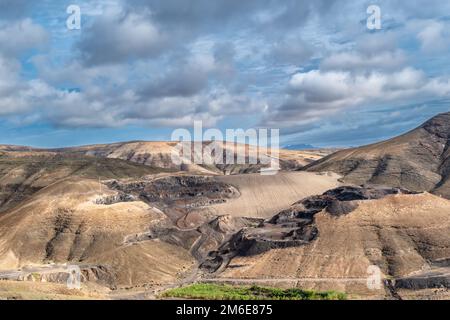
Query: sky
column 138, row 70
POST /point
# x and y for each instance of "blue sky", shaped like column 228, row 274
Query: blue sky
column 137, row 70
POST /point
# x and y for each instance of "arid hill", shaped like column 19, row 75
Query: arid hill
column 418, row 160
column 23, row 173
column 64, row 223
column 329, row 241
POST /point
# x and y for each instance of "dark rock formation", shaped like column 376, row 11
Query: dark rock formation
column 426, row 280
column 187, row 189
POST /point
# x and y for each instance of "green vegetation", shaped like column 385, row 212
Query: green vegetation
column 227, row 292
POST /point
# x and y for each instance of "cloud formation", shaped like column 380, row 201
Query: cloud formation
column 18, row 36
column 119, row 36
column 295, row 65
column 316, row 94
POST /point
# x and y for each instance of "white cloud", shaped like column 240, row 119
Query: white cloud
column 320, row 94
column 291, row 49
column 17, row 36
column 434, row 36
column 358, row 61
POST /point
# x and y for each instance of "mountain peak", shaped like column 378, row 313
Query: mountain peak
column 418, row 161
column 439, row 125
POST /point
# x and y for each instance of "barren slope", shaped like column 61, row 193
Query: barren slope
column 263, row 196
column 418, row 160
column 22, row 173
column 63, row 223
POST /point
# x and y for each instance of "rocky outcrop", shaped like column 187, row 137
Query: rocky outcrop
column 199, row 241
column 190, row 190
column 120, row 197
column 432, row 279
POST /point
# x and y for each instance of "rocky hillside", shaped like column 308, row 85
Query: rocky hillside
column 418, row 160
column 22, row 173
column 295, row 226
column 65, row 223
column 329, row 241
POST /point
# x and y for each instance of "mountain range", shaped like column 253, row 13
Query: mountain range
column 135, row 223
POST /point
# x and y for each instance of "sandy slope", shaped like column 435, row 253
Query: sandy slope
column 263, row 196
column 21, row 290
